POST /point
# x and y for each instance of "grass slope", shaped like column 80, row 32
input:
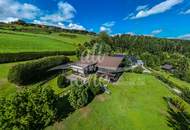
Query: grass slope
column 29, row 42
column 136, row 103
column 6, row 88
column 170, row 77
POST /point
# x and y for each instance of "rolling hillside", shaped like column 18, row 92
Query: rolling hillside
column 135, row 103
column 11, row 41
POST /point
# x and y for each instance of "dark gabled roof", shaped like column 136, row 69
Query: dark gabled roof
column 132, row 59
column 106, row 62
column 84, row 63
column 167, row 67
column 120, row 55
column 109, row 62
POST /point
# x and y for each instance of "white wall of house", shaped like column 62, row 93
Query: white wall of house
column 78, row 69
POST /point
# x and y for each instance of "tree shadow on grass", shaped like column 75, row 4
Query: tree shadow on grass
column 45, row 77
column 177, row 118
column 63, row 108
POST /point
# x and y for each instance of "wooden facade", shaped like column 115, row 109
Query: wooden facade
column 108, row 67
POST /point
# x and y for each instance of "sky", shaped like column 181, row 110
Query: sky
column 159, row 18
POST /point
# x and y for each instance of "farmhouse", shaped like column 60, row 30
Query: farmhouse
column 168, row 67
column 109, row 67
column 84, row 67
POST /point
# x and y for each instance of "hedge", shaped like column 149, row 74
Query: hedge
column 24, row 56
column 78, row 96
column 33, row 71
column 62, row 81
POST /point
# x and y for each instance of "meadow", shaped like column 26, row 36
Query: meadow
column 11, row 41
column 29, row 42
column 6, row 88
column 135, row 103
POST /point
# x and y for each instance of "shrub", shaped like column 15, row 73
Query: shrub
column 62, row 81
column 29, row 109
column 138, row 69
column 94, row 85
column 178, row 117
column 30, row 72
column 78, row 96
column 185, row 95
column 24, row 56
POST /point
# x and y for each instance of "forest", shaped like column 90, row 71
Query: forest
column 155, row 52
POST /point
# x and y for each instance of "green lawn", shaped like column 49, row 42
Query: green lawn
column 178, row 82
column 29, row 42
column 6, row 88
column 136, row 103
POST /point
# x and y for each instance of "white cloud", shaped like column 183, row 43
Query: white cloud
column 75, row 26
column 155, row 32
column 131, row 33
column 109, row 24
column 9, row 19
column 65, row 13
column 186, row 12
column 159, row 8
column 141, row 7
column 11, row 10
column 129, row 16
column 105, row 29
column 185, row 37
column 61, row 25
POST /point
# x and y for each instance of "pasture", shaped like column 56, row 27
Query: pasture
column 30, row 42
column 136, row 103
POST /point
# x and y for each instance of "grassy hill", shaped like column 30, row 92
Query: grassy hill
column 6, row 88
column 11, row 41
column 136, row 100
column 136, row 103
column 34, row 38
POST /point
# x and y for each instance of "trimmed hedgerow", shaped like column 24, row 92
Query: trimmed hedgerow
column 24, row 56
column 32, row 71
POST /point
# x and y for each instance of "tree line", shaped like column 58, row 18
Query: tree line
column 154, row 52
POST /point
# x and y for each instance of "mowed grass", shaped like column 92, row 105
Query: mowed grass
column 136, row 103
column 29, row 42
column 6, row 88
column 170, row 77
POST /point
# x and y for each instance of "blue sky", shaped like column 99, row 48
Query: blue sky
column 161, row 18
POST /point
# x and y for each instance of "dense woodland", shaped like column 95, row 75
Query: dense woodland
column 155, row 52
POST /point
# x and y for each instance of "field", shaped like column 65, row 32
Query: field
column 178, row 82
column 136, row 103
column 30, row 42
column 6, row 88
column 11, row 41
